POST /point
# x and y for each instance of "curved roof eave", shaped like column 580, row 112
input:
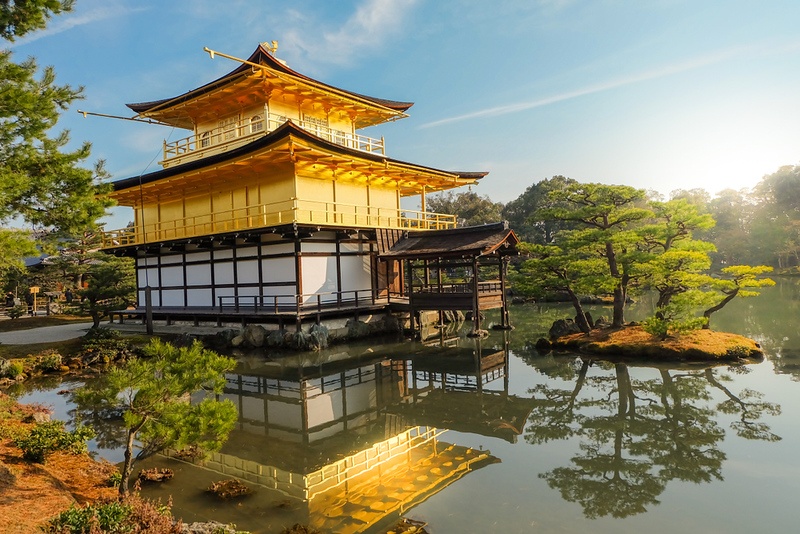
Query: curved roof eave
column 481, row 240
column 284, row 131
column 260, row 54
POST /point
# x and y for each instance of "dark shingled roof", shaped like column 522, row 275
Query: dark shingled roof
column 467, row 241
column 261, row 56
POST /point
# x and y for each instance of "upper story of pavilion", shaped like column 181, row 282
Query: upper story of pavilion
column 270, row 146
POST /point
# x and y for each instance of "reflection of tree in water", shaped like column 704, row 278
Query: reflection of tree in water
column 110, row 433
column 750, row 408
column 637, row 435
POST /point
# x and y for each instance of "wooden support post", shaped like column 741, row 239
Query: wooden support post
column 148, row 310
column 505, row 319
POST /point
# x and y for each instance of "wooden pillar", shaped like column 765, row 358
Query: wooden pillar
column 476, row 313
column 298, row 273
column 505, row 319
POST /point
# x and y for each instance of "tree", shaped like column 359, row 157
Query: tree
column 565, row 268
column 111, row 286
column 536, row 197
column 41, row 184
column 732, row 210
column 469, row 208
column 742, row 279
column 153, row 394
column 20, row 17
column 71, row 265
column 15, row 245
column 606, row 214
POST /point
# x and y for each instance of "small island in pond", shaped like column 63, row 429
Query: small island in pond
column 632, row 341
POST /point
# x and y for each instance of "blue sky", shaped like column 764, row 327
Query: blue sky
column 657, row 94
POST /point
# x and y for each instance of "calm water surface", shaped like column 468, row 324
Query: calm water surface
column 490, row 436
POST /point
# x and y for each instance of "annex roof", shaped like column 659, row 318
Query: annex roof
column 182, row 110
column 291, row 143
column 457, row 242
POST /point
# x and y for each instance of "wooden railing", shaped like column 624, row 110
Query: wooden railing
column 240, row 132
column 274, row 214
column 289, row 303
column 489, row 287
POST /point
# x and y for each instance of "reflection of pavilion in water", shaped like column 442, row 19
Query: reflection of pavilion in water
column 356, row 443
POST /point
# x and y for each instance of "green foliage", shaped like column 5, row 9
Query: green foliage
column 48, row 437
column 49, row 360
column 133, row 514
column 104, row 346
column 18, row 311
column 469, row 208
column 111, row 286
column 656, row 326
column 42, row 185
column 605, row 216
column 537, row 197
column 115, row 479
column 107, row 517
column 740, row 281
column 15, row 245
column 20, row 17
column 152, row 393
column 11, row 369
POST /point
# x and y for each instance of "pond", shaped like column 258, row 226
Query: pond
column 490, row 436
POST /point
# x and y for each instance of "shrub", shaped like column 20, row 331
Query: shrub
column 15, row 312
column 11, row 369
column 48, row 437
column 133, row 514
column 103, row 345
column 49, row 360
column 105, row 517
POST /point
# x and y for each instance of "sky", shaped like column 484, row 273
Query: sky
column 656, row 94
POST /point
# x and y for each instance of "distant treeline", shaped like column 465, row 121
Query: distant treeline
column 760, row 226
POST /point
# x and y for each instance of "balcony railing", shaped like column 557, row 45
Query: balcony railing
column 240, row 132
column 278, row 213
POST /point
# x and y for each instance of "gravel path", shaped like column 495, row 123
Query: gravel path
column 44, row 334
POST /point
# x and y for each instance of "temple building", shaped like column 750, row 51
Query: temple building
column 275, row 208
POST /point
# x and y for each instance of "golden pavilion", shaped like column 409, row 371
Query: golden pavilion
column 275, row 208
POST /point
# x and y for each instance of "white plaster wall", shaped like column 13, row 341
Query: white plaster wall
column 198, row 256
column 278, row 269
column 172, row 297
column 199, row 297
column 246, row 252
column 319, row 276
column 169, row 260
column 153, row 295
column 223, row 273
column 355, row 273
column 318, row 247
column 172, row 276
column 198, row 275
column 147, row 276
column 247, row 271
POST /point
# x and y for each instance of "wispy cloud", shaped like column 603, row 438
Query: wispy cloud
column 651, row 74
column 372, row 24
column 64, row 23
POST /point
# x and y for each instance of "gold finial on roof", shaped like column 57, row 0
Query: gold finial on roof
column 271, row 48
